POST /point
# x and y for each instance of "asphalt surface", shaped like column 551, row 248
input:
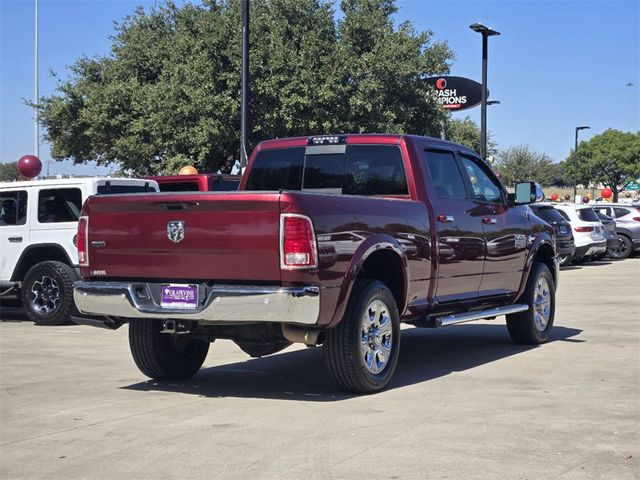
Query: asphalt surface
column 465, row 403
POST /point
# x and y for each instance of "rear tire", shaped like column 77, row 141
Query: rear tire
column 623, row 250
column 164, row 356
column 532, row 327
column 361, row 353
column 47, row 293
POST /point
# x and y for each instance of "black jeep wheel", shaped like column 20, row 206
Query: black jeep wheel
column 361, row 353
column 164, row 356
column 47, row 293
column 533, row 325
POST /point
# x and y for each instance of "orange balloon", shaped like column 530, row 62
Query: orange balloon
column 188, row 170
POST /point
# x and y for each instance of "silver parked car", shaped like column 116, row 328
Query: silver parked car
column 627, row 227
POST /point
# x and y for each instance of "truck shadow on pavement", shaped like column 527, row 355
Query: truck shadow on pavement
column 300, row 375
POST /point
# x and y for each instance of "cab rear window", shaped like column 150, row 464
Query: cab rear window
column 360, row 170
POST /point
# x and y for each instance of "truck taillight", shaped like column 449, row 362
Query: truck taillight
column 83, row 241
column 297, row 242
column 584, row 229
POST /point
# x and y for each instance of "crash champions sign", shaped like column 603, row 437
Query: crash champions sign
column 455, row 93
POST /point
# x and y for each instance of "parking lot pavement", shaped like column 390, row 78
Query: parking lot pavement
column 465, row 403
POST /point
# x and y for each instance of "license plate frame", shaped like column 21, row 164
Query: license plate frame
column 179, row 296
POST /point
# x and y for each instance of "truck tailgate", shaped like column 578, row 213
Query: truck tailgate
column 225, row 236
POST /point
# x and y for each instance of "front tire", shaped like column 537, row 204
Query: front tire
column 47, row 293
column 532, row 326
column 361, row 353
column 164, row 356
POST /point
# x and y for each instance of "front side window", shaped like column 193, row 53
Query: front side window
column 445, row 175
column 59, row 205
column 13, row 208
column 485, row 187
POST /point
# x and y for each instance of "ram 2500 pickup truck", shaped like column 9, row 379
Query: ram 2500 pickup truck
column 332, row 241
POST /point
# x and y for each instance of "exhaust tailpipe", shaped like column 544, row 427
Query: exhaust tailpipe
column 301, row 335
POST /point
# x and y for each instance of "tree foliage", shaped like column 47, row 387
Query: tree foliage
column 611, row 159
column 466, row 132
column 170, row 89
column 521, row 163
column 9, row 172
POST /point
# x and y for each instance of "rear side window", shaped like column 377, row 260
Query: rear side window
column 564, row 215
column 13, row 208
column 445, row 175
column 621, row 212
column 59, row 205
column 361, row 170
column 587, row 215
column 550, row 215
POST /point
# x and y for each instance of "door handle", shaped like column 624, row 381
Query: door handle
column 15, row 239
column 445, row 218
column 489, row 220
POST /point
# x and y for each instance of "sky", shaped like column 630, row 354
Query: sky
column 556, row 65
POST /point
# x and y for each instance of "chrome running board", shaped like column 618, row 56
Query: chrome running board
column 479, row 315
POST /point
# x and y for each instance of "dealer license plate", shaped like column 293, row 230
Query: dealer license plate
column 179, row 296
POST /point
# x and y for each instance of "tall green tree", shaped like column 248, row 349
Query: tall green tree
column 9, row 172
column 169, row 91
column 521, row 163
column 466, row 132
column 611, row 158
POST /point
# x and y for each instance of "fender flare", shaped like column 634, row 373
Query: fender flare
column 18, row 270
column 367, row 248
column 542, row 240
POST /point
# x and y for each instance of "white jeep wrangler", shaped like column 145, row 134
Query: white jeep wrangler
column 38, row 228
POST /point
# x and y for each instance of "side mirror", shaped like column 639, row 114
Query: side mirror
column 527, row 192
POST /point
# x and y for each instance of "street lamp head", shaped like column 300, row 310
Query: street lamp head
column 484, row 30
column 584, row 127
column 493, row 102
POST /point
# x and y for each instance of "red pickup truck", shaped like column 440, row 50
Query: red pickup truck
column 331, row 240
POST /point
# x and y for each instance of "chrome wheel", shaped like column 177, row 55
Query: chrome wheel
column 542, row 304
column 45, row 295
column 376, row 337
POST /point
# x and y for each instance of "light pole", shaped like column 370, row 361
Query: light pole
column 244, row 109
column 36, row 100
column 486, row 32
column 575, row 163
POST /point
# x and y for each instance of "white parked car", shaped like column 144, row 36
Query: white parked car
column 38, row 228
column 588, row 232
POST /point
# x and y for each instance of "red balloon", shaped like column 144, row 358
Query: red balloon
column 554, row 197
column 606, row 193
column 29, row 166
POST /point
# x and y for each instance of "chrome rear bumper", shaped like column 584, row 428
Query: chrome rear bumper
column 221, row 304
